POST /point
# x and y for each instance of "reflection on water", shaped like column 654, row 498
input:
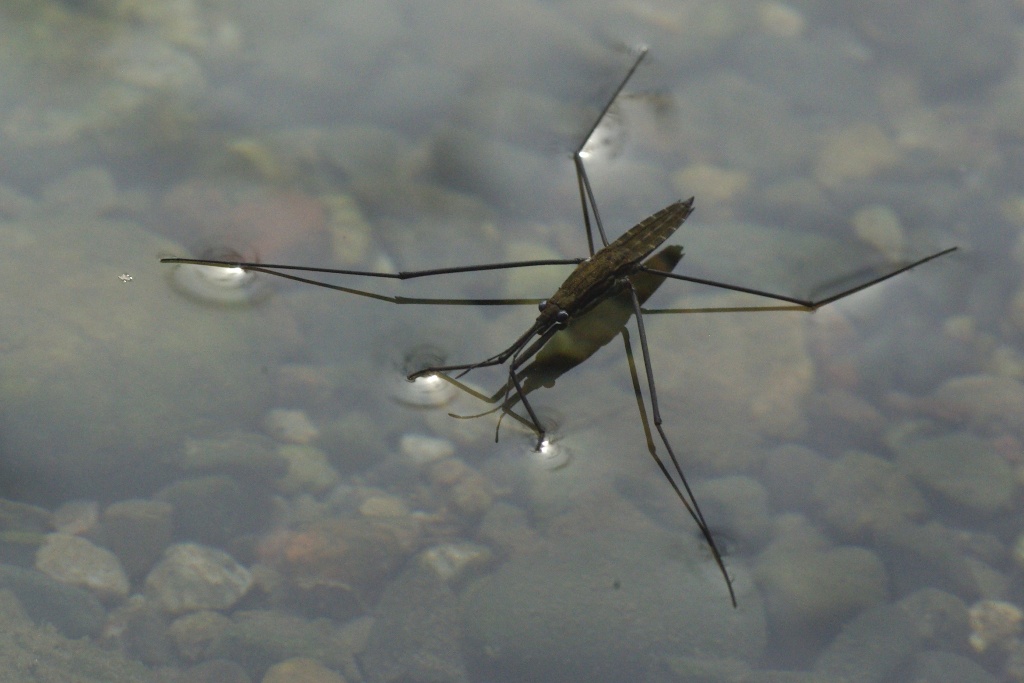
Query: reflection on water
column 247, row 488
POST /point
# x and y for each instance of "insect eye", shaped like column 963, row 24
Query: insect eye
column 562, row 317
column 542, row 305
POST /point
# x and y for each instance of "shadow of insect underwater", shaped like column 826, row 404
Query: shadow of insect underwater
column 621, row 271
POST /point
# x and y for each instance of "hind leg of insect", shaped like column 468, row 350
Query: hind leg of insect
column 684, row 493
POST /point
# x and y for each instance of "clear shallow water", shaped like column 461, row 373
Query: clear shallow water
column 385, row 139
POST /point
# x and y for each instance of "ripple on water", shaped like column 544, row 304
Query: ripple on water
column 553, row 454
column 217, row 285
column 430, row 391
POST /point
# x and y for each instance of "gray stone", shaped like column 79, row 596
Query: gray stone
column 962, row 467
column 192, row 577
column 862, row 494
column 215, row 671
column 137, row 531
column 871, row 647
column 31, row 654
column 597, row 607
column 75, row 612
column 138, row 628
column 416, row 635
column 259, row 639
column 948, row 667
column 989, row 404
column 25, row 518
column 789, row 474
column 808, row 584
column 954, row 46
column 78, row 562
column 195, row 633
column 739, row 504
column 940, row 618
column 119, row 376
column 697, row 670
column 240, row 454
column 215, row 509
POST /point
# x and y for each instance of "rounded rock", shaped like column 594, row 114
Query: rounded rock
column 993, row 622
column 290, row 426
column 192, row 577
column 301, row 670
column 137, row 531
column 421, row 449
column 309, row 470
column 195, row 633
column 879, row 226
column 76, row 561
column 594, row 608
column 155, row 368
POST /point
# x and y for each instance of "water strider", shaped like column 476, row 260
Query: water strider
column 608, row 272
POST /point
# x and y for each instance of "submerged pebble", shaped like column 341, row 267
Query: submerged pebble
column 985, row 403
column 421, row 449
column 854, row 153
column 192, row 577
column 462, row 487
column 343, row 553
column 862, row 493
column 872, row 646
column 808, row 584
column 301, row 670
column 961, row 467
column 76, row 516
column 993, row 622
column 880, row 227
column 384, row 506
column 195, row 633
column 78, row 562
column 137, row 531
column 781, row 19
column 103, row 447
column 451, row 561
column 309, row 470
column 593, row 607
column 73, row 611
column 290, row 426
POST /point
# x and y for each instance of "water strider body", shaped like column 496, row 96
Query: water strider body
column 602, row 274
column 606, row 273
